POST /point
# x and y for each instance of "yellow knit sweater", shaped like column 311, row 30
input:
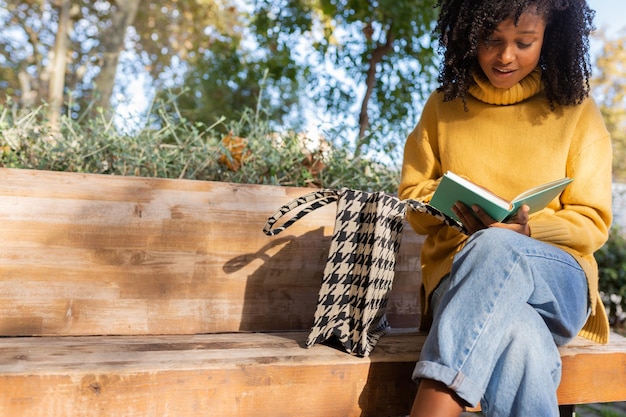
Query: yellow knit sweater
column 509, row 141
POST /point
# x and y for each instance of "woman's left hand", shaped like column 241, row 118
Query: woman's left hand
column 475, row 219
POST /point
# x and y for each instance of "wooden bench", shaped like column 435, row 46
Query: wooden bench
column 129, row 296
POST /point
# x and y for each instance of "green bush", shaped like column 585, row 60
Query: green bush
column 242, row 151
column 612, row 268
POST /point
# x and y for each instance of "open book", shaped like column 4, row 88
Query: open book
column 453, row 188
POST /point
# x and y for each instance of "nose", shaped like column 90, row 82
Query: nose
column 506, row 54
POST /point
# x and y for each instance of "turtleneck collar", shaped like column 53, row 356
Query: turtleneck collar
column 484, row 91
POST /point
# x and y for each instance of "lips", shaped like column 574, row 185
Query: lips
column 503, row 70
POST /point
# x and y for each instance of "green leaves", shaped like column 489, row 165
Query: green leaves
column 169, row 146
column 384, row 48
column 611, row 260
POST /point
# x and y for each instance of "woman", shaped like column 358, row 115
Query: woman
column 513, row 111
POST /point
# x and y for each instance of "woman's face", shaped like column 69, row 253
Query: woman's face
column 512, row 52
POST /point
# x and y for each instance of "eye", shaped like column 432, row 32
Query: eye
column 523, row 45
column 491, row 42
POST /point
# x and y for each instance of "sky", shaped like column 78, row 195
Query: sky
column 608, row 14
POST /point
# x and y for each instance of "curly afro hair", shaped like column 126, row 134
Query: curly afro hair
column 463, row 25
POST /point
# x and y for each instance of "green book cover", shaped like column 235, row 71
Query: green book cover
column 453, row 188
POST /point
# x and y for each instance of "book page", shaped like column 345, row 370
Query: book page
column 542, row 187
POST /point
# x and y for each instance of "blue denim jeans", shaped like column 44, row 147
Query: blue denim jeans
column 499, row 316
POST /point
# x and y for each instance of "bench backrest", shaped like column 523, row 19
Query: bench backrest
column 86, row 254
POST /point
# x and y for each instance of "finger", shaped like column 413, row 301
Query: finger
column 485, row 218
column 521, row 217
column 523, row 213
column 467, row 217
column 463, row 213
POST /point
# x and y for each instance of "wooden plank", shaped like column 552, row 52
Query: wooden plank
column 594, row 373
column 85, row 254
column 246, row 374
column 210, row 375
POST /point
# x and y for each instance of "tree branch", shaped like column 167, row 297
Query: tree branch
column 377, row 56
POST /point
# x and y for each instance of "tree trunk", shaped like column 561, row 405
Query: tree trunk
column 57, row 78
column 113, row 44
column 378, row 54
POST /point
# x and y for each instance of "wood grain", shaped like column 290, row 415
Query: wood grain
column 93, row 254
column 594, row 373
column 246, row 374
column 210, row 375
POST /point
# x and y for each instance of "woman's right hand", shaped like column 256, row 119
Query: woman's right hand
column 475, row 219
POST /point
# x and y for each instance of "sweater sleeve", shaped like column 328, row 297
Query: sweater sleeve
column 583, row 220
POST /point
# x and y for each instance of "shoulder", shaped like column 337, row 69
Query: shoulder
column 587, row 105
column 586, row 113
column 436, row 104
column 585, row 124
column 433, row 100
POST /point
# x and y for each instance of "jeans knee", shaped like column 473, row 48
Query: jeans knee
column 529, row 340
column 490, row 243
